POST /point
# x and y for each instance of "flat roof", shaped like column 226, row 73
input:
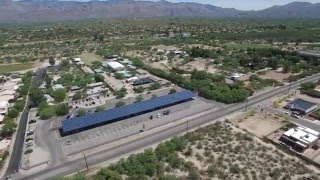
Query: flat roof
column 95, row 84
column 115, row 65
column 300, row 104
column 87, row 121
column 301, row 135
column 4, row 103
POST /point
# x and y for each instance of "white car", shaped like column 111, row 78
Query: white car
column 158, row 115
column 287, row 112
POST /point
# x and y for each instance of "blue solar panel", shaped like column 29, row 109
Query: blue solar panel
column 81, row 122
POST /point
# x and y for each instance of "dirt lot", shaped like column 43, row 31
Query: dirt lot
column 258, row 123
column 200, row 64
column 88, row 58
column 19, row 67
column 279, row 76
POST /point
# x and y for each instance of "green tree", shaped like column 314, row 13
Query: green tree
column 13, row 113
column 47, row 112
column 139, row 98
column 172, row 91
column 19, row 105
column 121, row 92
column 99, row 78
column 100, row 108
column 155, row 86
column 81, row 112
column 140, row 89
column 106, row 174
column 273, row 63
column 62, row 109
column 77, row 96
column 96, row 64
column 120, row 103
column 59, row 95
column 36, row 95
column 8, row 129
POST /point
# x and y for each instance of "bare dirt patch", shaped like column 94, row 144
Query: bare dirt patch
column 279, row 76
column 258, row 122
column 88, row 58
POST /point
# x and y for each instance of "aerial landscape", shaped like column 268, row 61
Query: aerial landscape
column 161, row 90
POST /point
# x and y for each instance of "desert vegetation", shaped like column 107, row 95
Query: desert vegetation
column 218, row 151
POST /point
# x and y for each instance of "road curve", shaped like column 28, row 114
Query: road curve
column 102, row 156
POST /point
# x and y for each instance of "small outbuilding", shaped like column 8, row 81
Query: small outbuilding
column 115, row 65
column 303, row 106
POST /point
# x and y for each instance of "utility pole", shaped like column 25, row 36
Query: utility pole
column 289, row 88
column 187, row 126
column 85, row 159
column 246, row 104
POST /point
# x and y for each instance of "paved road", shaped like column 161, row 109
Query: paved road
column 305, row 123
column 102, row 156
column 16, row 154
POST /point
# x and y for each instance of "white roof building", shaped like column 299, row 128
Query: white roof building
column 97, row 84
column 1, row 118
column 57, row 86
column 77, row 59
column 4, row 105
column 300, row 137
column 96, row 90
column 115, row 65
column 6, row 97
column 7, row 92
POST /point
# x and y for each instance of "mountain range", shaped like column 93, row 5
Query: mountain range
column 54, row 10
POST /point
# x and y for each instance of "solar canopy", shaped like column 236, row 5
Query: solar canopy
column 87, row 121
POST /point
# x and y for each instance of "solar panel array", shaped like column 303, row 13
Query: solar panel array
column 78, row 123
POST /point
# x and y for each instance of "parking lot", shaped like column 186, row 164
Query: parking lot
column 34, row 151
column 98, row 136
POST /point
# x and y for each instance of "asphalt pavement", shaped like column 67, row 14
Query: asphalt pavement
column 76, row 165
column 15, row 157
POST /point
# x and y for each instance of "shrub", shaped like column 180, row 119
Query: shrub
column 62, row 109
column 120, row 103
column 13, row 113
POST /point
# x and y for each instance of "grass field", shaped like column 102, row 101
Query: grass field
column 15, row 67
column 88, row 58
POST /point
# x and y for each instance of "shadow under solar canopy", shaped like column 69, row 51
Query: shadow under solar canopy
column 77, row 124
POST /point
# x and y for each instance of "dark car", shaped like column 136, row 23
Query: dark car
column 32, row 121
column 167, row 112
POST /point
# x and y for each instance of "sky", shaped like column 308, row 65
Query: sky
column 240, row 4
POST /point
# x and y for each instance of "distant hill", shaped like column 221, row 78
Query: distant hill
column 53, row 10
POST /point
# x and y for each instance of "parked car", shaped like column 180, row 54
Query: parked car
column 30, row 132
column 158, row 115
column 28, row 151
column 167, row 112
column 32, row 121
